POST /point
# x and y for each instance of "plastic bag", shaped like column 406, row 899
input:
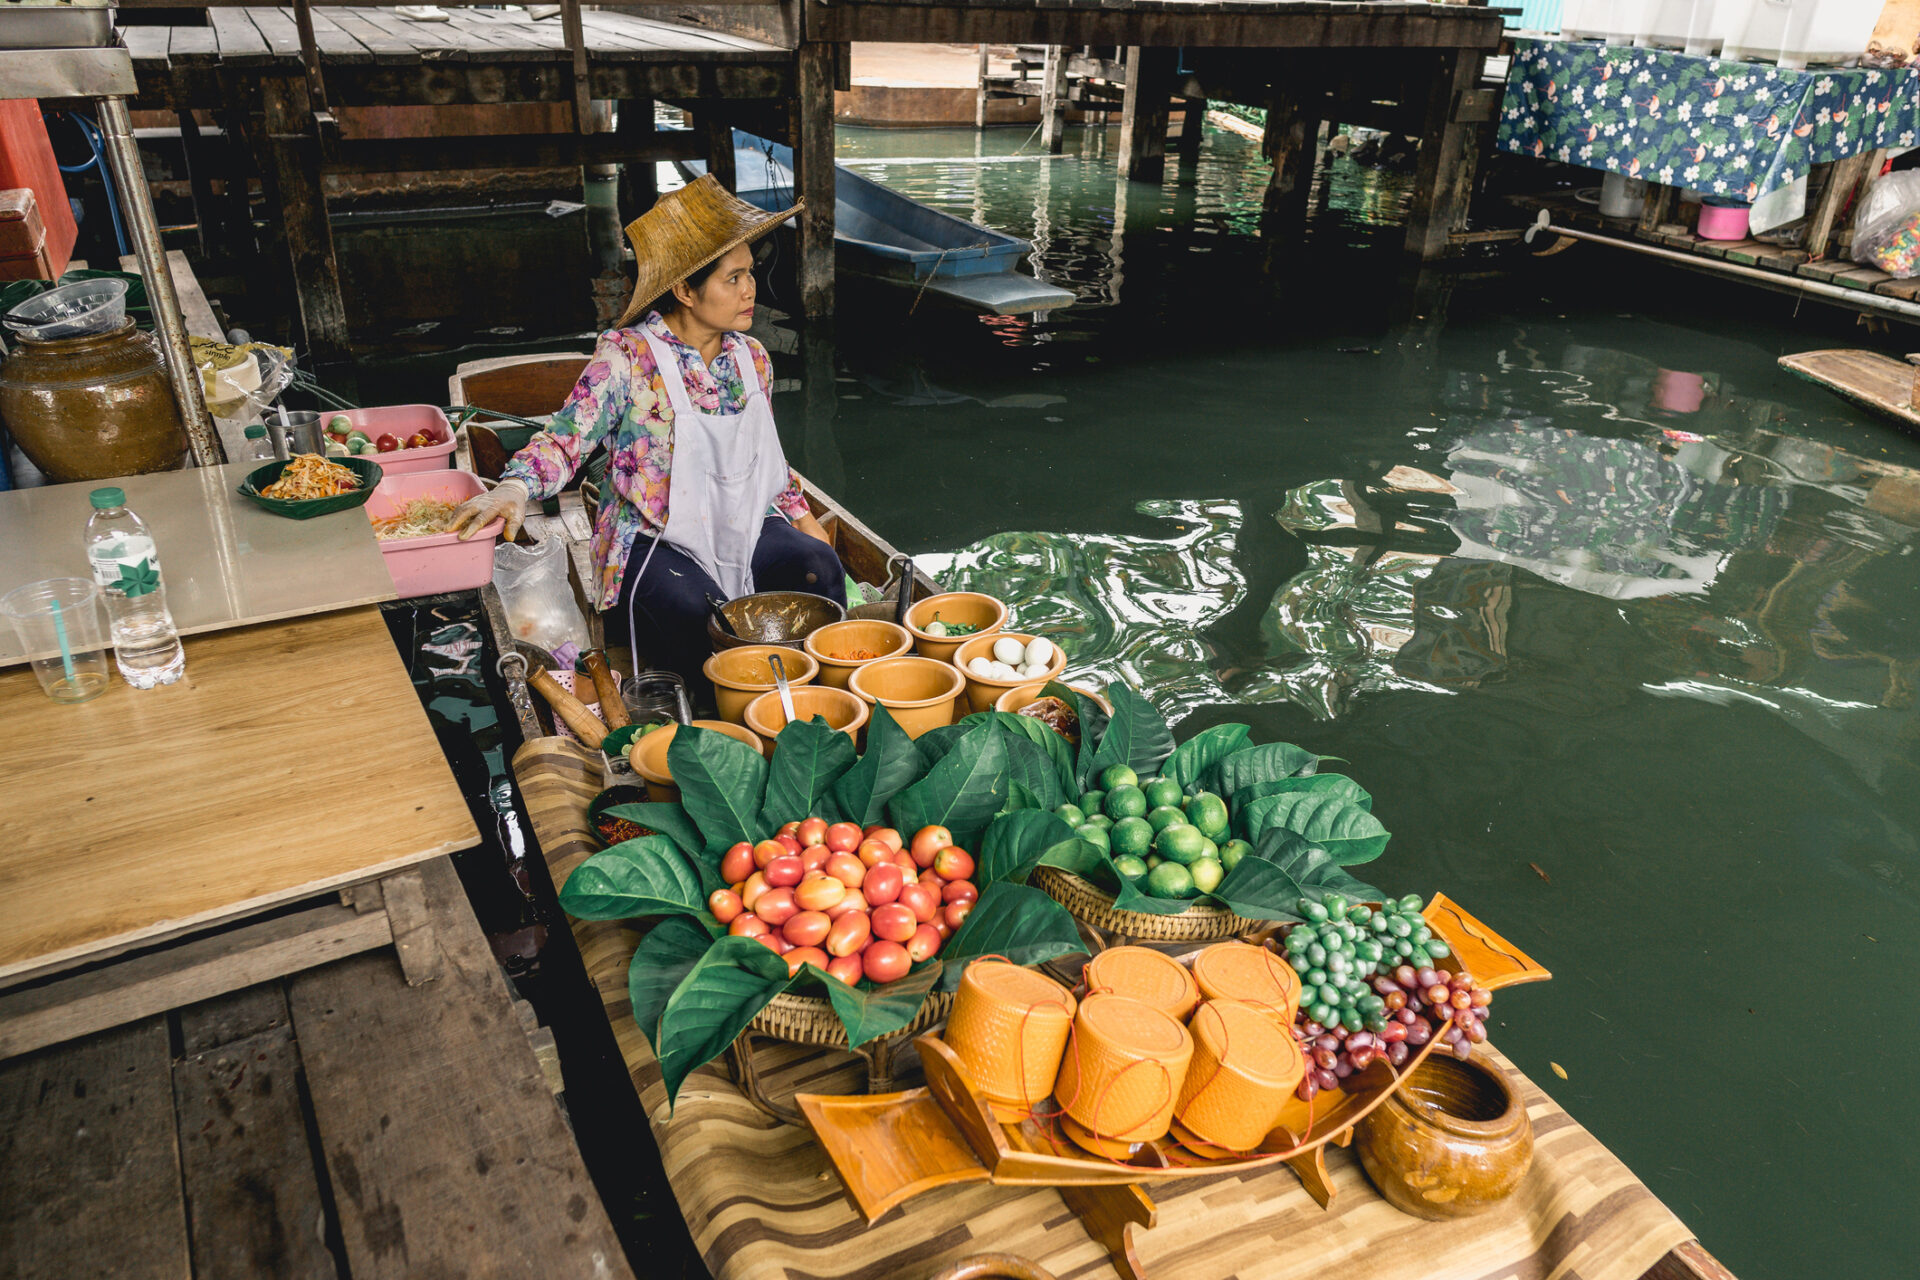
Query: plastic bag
column 538, row 596
column 1886, row 234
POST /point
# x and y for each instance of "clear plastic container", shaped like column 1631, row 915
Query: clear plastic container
column 1796, row 33
column 259, row 448
column 1694, row 26
column 126, row 568
column 71, row 311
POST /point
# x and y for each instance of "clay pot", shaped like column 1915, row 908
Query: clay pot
column 881, row 639
column 92, row 407
column 918, row 692
column 1022, row 695
column 766, row 717
column 983, row 692
column 649, row 756
column 742, row 674
column 964, row 607
column 1450, row 1142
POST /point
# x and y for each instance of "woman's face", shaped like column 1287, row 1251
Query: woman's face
column 724, row 299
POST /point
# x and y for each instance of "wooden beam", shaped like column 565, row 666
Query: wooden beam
column 715, row 133
column 1443, row 183
column 980, row 97
column 1143, row 118
column 310, row 53
column 813, row 179
column 1193, row 129
column 292, row 165
column 1842, row 178
column 639, row 186
column 513, row 151
column 1292, row 144
column 1053, row 100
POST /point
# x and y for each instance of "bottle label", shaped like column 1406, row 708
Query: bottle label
column 127, row 566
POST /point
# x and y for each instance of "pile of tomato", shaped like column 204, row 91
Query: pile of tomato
column 854, row 903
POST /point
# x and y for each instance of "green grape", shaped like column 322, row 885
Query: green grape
column 1315, row 913
column 1438, row 949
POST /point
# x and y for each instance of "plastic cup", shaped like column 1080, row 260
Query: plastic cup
column 64, row 631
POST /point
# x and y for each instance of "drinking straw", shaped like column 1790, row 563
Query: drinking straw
column 60, row 632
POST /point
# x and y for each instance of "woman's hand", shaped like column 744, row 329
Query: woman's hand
column 505, row 501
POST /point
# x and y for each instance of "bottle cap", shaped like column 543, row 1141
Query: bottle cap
column 256, row 432
column 105, row 499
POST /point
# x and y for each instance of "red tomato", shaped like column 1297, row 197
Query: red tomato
column 849, row 934
column 812, row 831
column 807, row 929
column 928, row 841
column 725, row 905
column 959, row 891
column 882, row 885
column 772, row 942
column 766, row 851
column 941, row 927
column 386, row 444
column 792, row 843
column 922, row 900
column 818, row 892
column 737, row 863
column 805, row 955
column 747, row 927
column 954, row 914
column 776, row 906
column 953, row 863
column 852, row 902
column 873, row 853
column 784, row 872
column 789, row 828
column 894, row 922
column 885, row 962
column 847, row 869
column 905, row 862
column 750, row 892
column 843, row 837
column 814, row 857
column 847, row 968
column 924, row 944
column 888, row 837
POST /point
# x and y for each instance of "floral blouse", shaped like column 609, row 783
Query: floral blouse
column 621, row 393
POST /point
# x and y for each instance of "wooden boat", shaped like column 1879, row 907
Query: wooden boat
column 1880, row 383
column 882, row 235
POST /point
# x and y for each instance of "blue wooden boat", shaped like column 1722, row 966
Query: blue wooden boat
column 882, row 235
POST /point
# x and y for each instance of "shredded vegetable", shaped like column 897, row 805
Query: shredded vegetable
column 421, row 518
column 311, row 476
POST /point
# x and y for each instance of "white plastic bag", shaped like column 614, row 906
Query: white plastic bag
column 1886, row 233
column 538, row 597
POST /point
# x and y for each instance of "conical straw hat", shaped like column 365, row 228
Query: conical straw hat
column 687, row 229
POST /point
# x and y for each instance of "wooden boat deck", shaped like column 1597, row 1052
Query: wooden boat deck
column 1869, row 379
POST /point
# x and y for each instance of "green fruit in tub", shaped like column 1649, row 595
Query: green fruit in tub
column 339, row 422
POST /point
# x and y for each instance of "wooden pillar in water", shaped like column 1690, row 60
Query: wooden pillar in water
column 813, row 176
column 1292, row 144
column 980, row 98
column 1143, row 114
column 1053, row 100
column 292, row 169
column 639, row 184
column 1193, row 125
column 1449, row 152
column 718, row 135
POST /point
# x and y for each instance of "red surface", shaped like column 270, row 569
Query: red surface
column 26, row 160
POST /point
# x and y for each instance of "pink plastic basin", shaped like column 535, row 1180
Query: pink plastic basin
column 428, row 566
column 1723, row 221
column 401, row 421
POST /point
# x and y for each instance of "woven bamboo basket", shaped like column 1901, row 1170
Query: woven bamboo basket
column 811, row 1020
column 1087, row 904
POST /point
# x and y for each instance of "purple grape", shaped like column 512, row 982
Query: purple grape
column 1397, row 1053
column 1342, row 1069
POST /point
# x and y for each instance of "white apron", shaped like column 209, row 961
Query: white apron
column 727, row 470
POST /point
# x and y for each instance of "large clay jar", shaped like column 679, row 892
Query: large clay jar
column 92, row 407
column 1452, row 1141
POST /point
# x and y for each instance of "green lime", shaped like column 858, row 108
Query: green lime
column 1209, row 813
column 1125, row 802
column 1207, row 874
column 1161, row 791
column 1095, row 836
column 1101, row 821
column 1163, row 817
column 1208, row 849
column 1133, row 836
column 1154, row 860
column 1129, row 866
column 1182, row 844
column 1232, row 851
column 1093, row 801
column 1170, row 880
column 1071, row 814
column 1119, row 775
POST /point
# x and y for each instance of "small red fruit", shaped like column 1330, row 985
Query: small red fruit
column 791, row 842
column 747, row 927
column 843, row 837
column 776, row 906
column 755, row 886
column 725, row 905
column 873, row 853
column 773, row 942
column 847, row 869
column 885, row 962
column 928, row 841
column 849, row 934
column 894, row 922
column 953, row 863
column 924, row 944
column 737, row 863
column 848, row 969
column 888, row 837
column 941, row 927
column 905, row 862
column 959, row 891
column 882, row 885
column 386, row 443
column 852, row 902
column 814, row 857
column 766, row 851
column 807, row 929
column 922, row 901
column 784, row 872
column 954, row 914
column 805, row 955
column 789, row 828
column 819, row 891
column 812, row 831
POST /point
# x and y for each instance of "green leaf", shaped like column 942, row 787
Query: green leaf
column 720, row 995
column 1055, row 747
column 1137, row 735
column 1130, row 898
column 644, row 877
column 1020, row 796
column 670, row 820
column 808, row 758
column 1343, row 828
column 722, row 782
column 1093, row 723
column 963, row 792
column 869, row 1012
column 1267, row 762
column 1018, row 842
column 662, row 961
column 1085, row 861
column 1200, row 752
column 1284, row 871
column 1028, row 765
column 1253, row 810
column 1011, row 920
column 935, row 743
column 891, row 762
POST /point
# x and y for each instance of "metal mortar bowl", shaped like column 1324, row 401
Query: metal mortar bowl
column 774, row 617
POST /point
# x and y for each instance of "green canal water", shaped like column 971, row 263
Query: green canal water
column 1616, row 621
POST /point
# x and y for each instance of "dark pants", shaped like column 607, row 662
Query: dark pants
column 670, row 600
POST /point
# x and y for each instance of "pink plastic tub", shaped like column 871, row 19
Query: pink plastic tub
column 1723, row 221
column 401, row 421
column 428, row 566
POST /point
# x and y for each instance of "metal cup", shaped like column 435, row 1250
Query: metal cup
column 304, row 433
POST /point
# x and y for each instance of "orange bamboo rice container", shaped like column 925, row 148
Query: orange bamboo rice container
column 1253, row 975
column 1243, row 1071
column 1141, row 973
column 1009, row 1027
column 1123, row 1070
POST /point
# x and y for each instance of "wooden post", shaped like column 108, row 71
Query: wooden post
column 813, row 175
column 1053, row 100
column 292, row 167
column 1443, row 184
column 239, row 179
column 1193, row 126
column 708, row 122
column 638, row 186
column 1143, row 114
column 1292, row 144
column 582, row 80
column 310, row 53
column 206, row 219
column 980, row 98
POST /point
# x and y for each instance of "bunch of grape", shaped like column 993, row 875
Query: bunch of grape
column 1417, row 1004
column 1341, row 945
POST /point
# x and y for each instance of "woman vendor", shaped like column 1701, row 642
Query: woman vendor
column 702, row 501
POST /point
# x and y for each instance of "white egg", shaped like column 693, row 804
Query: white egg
column 1033, row 670
column 1039, row 651
column 982, row 667
column 1008, row 650
column 1002, row 671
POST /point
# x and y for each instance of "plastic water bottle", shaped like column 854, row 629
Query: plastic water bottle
column 259, row 448
column 126, row 567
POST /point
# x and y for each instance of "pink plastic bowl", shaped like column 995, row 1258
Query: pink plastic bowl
column 401, row 421
column 1723, row 221
column 428, row 566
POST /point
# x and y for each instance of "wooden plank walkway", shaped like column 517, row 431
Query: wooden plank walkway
column 1867, row 378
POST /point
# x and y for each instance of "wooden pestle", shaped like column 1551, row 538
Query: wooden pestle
column 583, row 722
column 613, row 708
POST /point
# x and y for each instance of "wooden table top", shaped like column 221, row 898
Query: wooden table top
column 290, row 759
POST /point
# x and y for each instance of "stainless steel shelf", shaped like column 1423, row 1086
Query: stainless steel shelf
column 66, row 73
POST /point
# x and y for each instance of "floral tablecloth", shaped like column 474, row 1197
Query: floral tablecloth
column 1738, row 129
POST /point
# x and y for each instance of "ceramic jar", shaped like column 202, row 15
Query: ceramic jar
column 1450, row 1142
column 92, row 407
